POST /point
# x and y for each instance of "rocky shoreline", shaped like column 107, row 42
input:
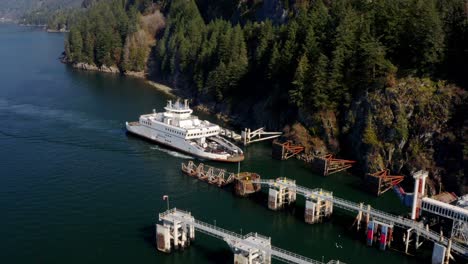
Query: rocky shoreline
column 322, row 132
column 92, row 67
column 115, row 70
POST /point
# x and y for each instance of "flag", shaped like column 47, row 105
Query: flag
column 165, row 197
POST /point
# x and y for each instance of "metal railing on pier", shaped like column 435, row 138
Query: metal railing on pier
column 376, row 214
column 232, row 237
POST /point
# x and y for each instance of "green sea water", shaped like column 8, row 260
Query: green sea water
column 74, row 188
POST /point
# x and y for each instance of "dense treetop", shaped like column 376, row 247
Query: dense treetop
column 17, row 8
column 317, row 61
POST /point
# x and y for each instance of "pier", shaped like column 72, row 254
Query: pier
column 248, row 136
column 177, row 229
column 320, row 204
column 212, row 175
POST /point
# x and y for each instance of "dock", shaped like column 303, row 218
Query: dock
column 377, row 225
column 209, row 174
column 249, row 136
column 320, row 204
column 244, row 182
column 176, row 229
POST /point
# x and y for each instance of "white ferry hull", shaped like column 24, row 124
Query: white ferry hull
column 179, row 144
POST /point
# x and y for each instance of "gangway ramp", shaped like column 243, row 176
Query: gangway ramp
column 177, row 223
column 378, row 215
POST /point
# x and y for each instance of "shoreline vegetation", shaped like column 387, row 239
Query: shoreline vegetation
column 380, row 82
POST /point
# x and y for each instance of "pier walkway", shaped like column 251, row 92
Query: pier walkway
column 378, row 215
column 253, row 243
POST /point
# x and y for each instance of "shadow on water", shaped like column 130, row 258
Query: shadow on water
column 148, row 234
column 214, row 256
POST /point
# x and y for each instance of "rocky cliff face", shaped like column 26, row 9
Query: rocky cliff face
column 406, row 128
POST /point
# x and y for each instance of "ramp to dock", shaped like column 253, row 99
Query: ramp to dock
column 176, row 217
column 378, row 215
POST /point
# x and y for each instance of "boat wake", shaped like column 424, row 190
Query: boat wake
column 171, row 152
column 76, row 119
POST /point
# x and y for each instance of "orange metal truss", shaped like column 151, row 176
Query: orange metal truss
column 290, row 150
column 385, row 180
column 333, row 165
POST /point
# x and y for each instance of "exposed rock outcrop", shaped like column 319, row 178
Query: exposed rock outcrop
column 92, row 67
column 405, row 127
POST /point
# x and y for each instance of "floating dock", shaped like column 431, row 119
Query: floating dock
column 211, row 175
column 243, row 181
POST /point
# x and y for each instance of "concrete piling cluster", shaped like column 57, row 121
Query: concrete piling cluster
column 381, row 233
column 178, row 227
column 280, row 196
column 176, row 231
column 318, row 208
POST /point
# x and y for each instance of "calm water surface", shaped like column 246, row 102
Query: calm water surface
column 74, row 188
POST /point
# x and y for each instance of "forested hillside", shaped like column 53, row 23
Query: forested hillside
column 115, row 34
column 15, row 9
column 377, row 81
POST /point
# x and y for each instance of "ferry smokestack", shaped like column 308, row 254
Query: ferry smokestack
column 186, row 103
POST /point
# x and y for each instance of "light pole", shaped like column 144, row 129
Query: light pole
column 166, row 197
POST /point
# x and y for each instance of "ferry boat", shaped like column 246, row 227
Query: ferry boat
column 179, row 129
